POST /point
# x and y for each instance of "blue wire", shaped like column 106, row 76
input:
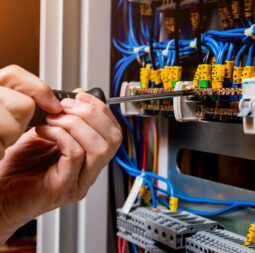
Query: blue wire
column 131, row 26
column 250, row 23
column 134, row 248
column 238, row 22
column 250, row 55
column 202, row 213
column 230, row 51
column 239, row 54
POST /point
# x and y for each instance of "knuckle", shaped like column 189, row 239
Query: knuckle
column 75, row 120
column 58, row 131
column 104, row 150
column 105, row 109
column 117, row 137
column 70, row 121
column 13, row 68
column 28, row 104
column 90, row 111
column 12, row 134
column 78, row 153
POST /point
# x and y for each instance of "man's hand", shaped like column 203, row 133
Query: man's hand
column 19, row 91
column 55, row 165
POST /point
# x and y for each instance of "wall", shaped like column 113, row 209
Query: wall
column 19, row 33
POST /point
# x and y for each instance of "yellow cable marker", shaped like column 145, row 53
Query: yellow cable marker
column 173, row 204
column 250, row 239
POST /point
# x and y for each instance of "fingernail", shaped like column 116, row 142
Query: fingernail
column 68, row 103
column 86, row 98
column 57, row 105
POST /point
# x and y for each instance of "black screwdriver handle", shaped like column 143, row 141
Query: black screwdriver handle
column 39, row 117
column 96, row 92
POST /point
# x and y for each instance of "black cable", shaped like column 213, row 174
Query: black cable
column 153, row 14
column 154, row 5
column 200, row 21
column 176, row 31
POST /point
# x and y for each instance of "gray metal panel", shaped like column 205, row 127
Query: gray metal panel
column 218, row 138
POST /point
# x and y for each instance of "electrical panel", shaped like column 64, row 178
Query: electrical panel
column 203, row 49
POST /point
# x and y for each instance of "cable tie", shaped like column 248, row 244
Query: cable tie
column 193, row 43
column 249, row 32
column 137, row 51
column 147, row 50
column 143, row 174
column 166, row 51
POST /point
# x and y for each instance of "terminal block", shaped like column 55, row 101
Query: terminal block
column 143, row 1
column 170, row 4
column 207, row 104
column 147, row 244
column 171, row 229
column 185, row 109
column 165, row 228
column 132, row 108
column 218, row 241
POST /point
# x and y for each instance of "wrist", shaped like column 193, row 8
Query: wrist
column 5, row 231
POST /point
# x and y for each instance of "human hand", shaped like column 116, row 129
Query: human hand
column 56, row 164
column 19, row 91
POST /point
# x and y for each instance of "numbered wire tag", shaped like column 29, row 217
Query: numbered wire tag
column 133, row 194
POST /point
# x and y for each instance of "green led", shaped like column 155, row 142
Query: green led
column 204, row 84
column 174, row 83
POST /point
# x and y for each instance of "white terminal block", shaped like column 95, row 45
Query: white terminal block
column 184, row 109
column 132, row 108
column 247, row 106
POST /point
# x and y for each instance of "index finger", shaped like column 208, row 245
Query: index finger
column 17, row 78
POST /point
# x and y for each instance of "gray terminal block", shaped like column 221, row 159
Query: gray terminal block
column 218, row 241
column 171, row 229
column 163, row 227
column 148, row 245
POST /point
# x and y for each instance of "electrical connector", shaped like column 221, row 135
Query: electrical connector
column 173, row 204
column 194, row 16
column 236, row 9
column 145, row 75
column 249, row 8
column 248, row 72
column 229, row 66
column 145, row 194
column 250, row 239
column 145, row 10
column 169, row 21
column 155, row 76
column 237, row 75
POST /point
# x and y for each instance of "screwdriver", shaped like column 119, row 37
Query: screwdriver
column 39, row 117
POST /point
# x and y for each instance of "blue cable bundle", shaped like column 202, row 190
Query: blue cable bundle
column 223, row 47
